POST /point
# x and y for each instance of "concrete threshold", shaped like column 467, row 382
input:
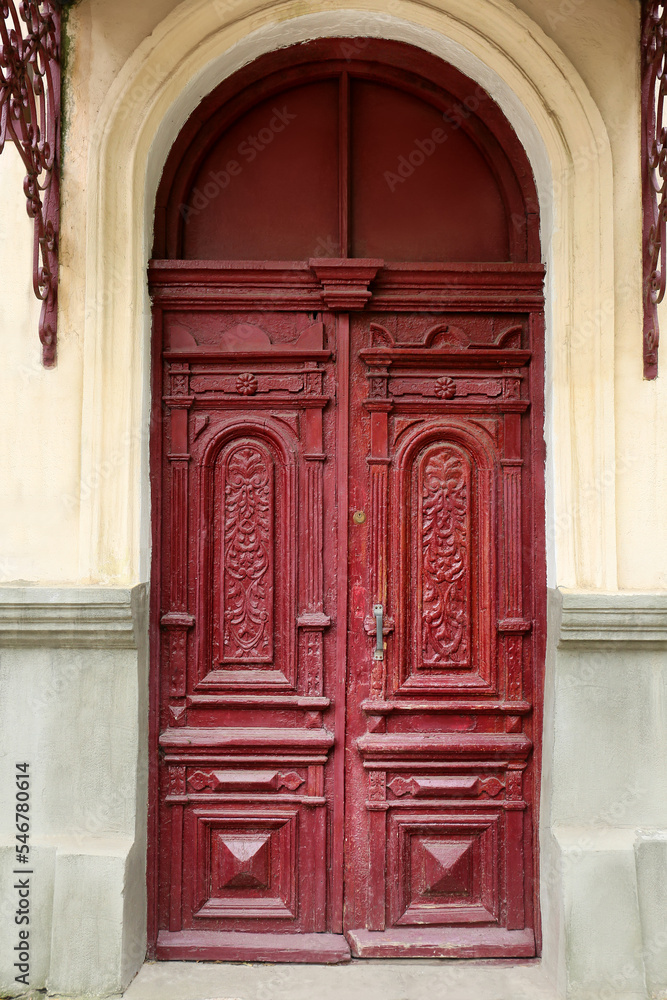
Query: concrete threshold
column 366, row 979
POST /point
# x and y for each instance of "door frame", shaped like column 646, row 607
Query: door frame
column 156, row 458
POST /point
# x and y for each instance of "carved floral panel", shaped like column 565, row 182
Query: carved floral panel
column 441, row 552
column 247, row 570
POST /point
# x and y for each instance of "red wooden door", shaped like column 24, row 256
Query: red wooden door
column 438, row 809
column 348, row 519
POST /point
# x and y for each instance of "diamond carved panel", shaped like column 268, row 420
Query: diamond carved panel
column 243, row 862
column 246, row 865
column 443, row 869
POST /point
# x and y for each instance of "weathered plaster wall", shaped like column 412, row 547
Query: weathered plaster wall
column 73, row 682
column 604, row 796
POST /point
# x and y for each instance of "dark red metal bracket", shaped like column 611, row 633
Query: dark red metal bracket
column 30, row 118
column 654, row 173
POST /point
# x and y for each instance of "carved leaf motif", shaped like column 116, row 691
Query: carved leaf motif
column 248, row 563
column 445, row 568
column 177, row 781
column 512, row 388
column 514, row 780
column 378, row 386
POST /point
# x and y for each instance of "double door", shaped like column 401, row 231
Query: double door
column 347, row 610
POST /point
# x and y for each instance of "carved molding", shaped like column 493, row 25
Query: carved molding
column 433, row 747
column 30, row 118
column 301, row 286
column 245, row 781
column 654, row 174
column 257, row 741
column 345, row 282
column 84, row 618
column 616, row 620
column 430, row 786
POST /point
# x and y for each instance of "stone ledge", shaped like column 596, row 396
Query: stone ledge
column 384, row 979
column 620, row 619
column 72, row 617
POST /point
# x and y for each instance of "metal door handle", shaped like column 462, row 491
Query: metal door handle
column 379, row 640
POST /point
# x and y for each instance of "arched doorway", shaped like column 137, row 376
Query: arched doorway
column 348, row 516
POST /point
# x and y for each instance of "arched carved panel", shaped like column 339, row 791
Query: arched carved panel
column 246, row 555
column 249, row 584
column 440, row 555
column 443, row 563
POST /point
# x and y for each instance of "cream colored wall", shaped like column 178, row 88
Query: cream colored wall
column 45, row 436
column 601, row 38
column 41, row 412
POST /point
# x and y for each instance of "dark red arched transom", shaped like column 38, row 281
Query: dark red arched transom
column 309, row 153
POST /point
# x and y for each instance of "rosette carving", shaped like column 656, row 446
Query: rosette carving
column 246, row 384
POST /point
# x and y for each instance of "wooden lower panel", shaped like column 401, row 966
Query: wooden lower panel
column 218, row 946
column 453, row 942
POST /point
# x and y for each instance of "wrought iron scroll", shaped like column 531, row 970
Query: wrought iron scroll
column 654, row 174
column 30, row 118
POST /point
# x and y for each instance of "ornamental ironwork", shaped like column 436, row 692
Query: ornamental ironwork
column 654, row 174
column 30, row 118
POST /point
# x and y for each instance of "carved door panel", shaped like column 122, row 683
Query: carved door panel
column 247, row 526
column 440, row 769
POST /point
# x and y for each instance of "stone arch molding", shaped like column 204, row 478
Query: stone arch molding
column 202, row 42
